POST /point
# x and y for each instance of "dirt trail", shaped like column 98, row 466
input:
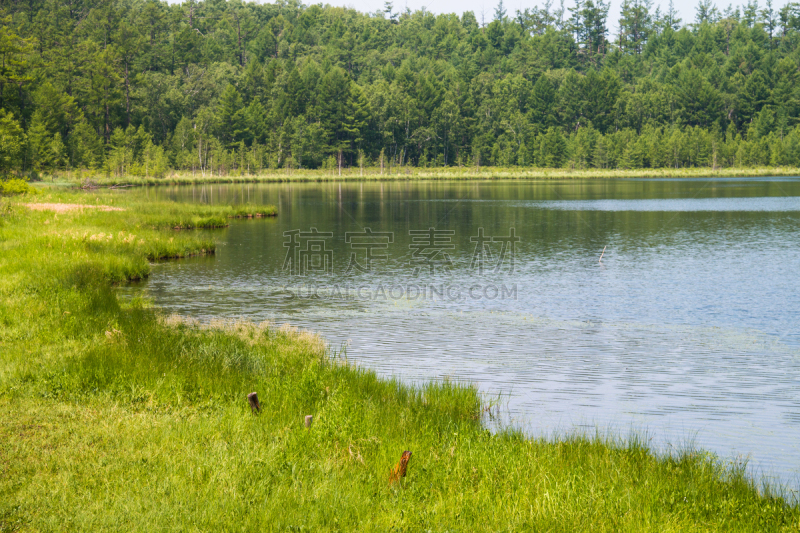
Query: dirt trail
column 63, row 208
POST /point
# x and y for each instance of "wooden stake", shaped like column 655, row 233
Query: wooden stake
column 309, row 419
column 399, row 470
column 252, row 399
column 601, row 255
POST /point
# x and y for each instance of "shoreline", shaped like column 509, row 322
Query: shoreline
column 119, row 395
column 417, row 174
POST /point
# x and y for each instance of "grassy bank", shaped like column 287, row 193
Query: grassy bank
column 406, row 173
column 115, row 417
column 135, row 211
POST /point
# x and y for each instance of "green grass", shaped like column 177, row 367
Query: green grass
column 441, row 173
column 143, row 212
column 116, row 417
column 253, row 211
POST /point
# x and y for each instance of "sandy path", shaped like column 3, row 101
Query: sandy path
column 63, row 208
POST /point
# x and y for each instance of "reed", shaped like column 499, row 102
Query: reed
column 417, row 173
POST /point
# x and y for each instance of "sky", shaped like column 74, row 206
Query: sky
column 686, row 8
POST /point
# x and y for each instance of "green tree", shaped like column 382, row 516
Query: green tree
column 552, row 149
column 500, row 12
column 300, row 83
column 706, row 12
column 698, row 101
column 753, row 96
column 14, row 51
column 572, row 101
column 58, row 153
column 85, row 147
column 231, row 117
column 589, row 25
column 12, row 142
column 601, row 92
column 129, row 42
column 635, row 25
column 343, row 110
column 58, row 112
column 104, row 92
column 543, row 101
column 39, row 154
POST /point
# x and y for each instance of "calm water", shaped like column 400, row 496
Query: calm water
column 686, row 330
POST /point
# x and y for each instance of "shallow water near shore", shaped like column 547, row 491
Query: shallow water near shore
column 686, row 330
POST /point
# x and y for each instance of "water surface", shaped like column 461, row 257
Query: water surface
column 687, row 329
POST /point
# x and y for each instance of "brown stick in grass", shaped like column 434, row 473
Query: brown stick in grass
column 399, row 470
column 252, row 399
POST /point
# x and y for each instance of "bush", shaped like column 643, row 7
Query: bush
column 16, row 186
column 32, row 175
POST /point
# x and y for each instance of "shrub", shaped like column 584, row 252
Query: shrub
column 16, row 186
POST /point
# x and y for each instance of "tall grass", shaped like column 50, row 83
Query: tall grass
column 151, row 214
column 116, row 417
column 440, row 173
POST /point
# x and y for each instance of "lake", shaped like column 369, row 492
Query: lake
column 686, row 331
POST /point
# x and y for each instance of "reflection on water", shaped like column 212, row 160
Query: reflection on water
column 687, row 328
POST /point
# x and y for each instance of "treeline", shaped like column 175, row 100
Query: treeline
column 141, row 86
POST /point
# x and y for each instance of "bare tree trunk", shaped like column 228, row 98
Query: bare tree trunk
column 107, row 120
column 127, row 95
column 200, row 155
column 239, row 43
column 255, row 405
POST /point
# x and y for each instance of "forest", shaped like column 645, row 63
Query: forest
column 143, row 87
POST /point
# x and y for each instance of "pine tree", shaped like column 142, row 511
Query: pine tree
column 750, row 14
column 14, row 51
column 769, row 17
column 12, row 141
column 57, row 152
column 543, row 100
column 552, row 149
column 500, row 12
column 753, row 96
column 635, row 25
column 387, row 8
column 129, row 41
column 706, row 12
column 38, row 143
column 335, row 97
column 589, row 26
column 85, row 147
column 231, row 118
column 104, row 91
column 671, row 18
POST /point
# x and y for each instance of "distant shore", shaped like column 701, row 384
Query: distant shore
column 90, row 179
